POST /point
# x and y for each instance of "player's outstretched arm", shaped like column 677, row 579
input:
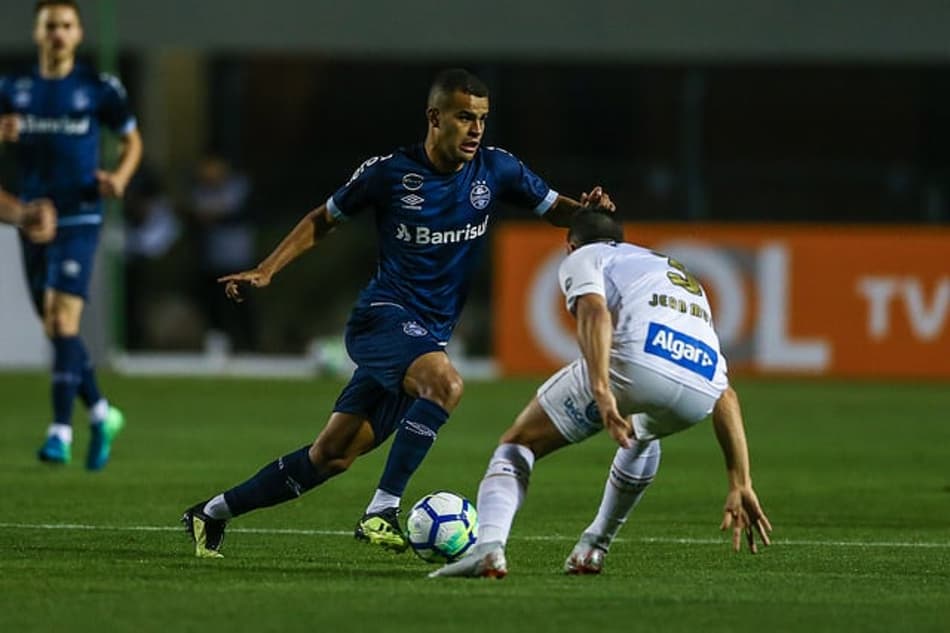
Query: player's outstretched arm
column 37, row 218
column 742, row 512
column 594, row 336
column 563, row 208
column 314, row 226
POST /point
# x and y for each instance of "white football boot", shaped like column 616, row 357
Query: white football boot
column 486, row 560
column 587, row 557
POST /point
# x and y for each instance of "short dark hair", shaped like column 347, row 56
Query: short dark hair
column 43, row 4
column 455, row 79
column 594, row 224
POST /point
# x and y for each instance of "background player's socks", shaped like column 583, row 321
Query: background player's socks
column 67, row 373
column 282, row 480
column 89, row 388
column 62, row 431
column 417, row 431
column 98, row 411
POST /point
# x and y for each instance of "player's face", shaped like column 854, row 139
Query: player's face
column 459, row 125
column 58, row 31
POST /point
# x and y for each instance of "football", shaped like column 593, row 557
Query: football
column 441, row 526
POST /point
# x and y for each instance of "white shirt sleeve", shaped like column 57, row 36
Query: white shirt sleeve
column 582, row 273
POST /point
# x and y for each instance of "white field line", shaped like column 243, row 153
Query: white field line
column 552, row 537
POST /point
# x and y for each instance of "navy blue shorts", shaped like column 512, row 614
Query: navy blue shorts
column 65, row 264
column 365, row 397
column 383, row 341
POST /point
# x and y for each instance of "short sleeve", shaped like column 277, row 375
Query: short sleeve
column 114, row 109
column 361, row 191
column 521, row 186
column 582, row 273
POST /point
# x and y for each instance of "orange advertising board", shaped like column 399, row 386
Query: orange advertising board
column 858, row 301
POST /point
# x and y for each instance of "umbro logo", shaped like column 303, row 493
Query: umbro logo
column 412, row 202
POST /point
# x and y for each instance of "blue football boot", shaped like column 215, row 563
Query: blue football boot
column 55, row 451
column 101, row 438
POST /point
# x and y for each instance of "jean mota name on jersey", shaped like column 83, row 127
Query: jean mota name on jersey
column 425, row 235
column 681, row 349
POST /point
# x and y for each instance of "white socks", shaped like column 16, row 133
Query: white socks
column 381, row 501
column 631, row 473
column 63, row 431
column 217, row 508
column 502, row 491
column 99, row 411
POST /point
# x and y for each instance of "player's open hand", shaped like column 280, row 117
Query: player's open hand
column 39, row 221
column 9, row 128
column 256, row 278
column 744, row 516
column 110, row 184
column 598, row 198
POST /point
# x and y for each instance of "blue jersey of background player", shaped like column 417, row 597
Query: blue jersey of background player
column 432, row 206
column 53, row 116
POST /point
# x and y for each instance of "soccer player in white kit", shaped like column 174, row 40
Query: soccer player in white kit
column 650, row 366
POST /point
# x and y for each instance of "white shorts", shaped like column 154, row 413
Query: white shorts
column 658, row 404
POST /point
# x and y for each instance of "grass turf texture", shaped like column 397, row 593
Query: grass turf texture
column 855, row 477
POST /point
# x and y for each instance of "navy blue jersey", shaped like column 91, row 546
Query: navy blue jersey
column 431, row 225
column 58, row 149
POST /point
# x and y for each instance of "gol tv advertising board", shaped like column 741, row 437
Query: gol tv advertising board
column 849, row 301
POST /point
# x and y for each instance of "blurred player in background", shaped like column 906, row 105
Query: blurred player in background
column 649, row 351
column 52, row 114
column 432, row 203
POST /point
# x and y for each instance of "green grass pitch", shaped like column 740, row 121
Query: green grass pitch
column 855, row 477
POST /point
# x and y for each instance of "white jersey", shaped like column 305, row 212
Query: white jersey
column 661, row 316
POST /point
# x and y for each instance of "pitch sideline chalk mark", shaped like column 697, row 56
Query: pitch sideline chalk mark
column 553, row 537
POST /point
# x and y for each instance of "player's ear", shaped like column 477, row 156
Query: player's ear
column 432, row 114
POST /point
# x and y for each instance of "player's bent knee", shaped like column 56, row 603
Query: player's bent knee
column 445, row 390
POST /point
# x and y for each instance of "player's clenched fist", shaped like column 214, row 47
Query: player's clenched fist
column 39, row 221
column 9, row 128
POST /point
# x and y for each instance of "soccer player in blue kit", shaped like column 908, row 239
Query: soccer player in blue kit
column 433, row 202
column 52, row 115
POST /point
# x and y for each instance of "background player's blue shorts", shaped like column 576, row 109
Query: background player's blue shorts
column 383, row 341
column 65, row 264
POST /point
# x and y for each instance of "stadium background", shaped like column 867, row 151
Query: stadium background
column 785, row 112
column 778, row 145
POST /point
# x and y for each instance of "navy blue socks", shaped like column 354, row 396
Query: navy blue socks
column 282, row 480
column 68, row 361
column 417, row 431
column 88, row 388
